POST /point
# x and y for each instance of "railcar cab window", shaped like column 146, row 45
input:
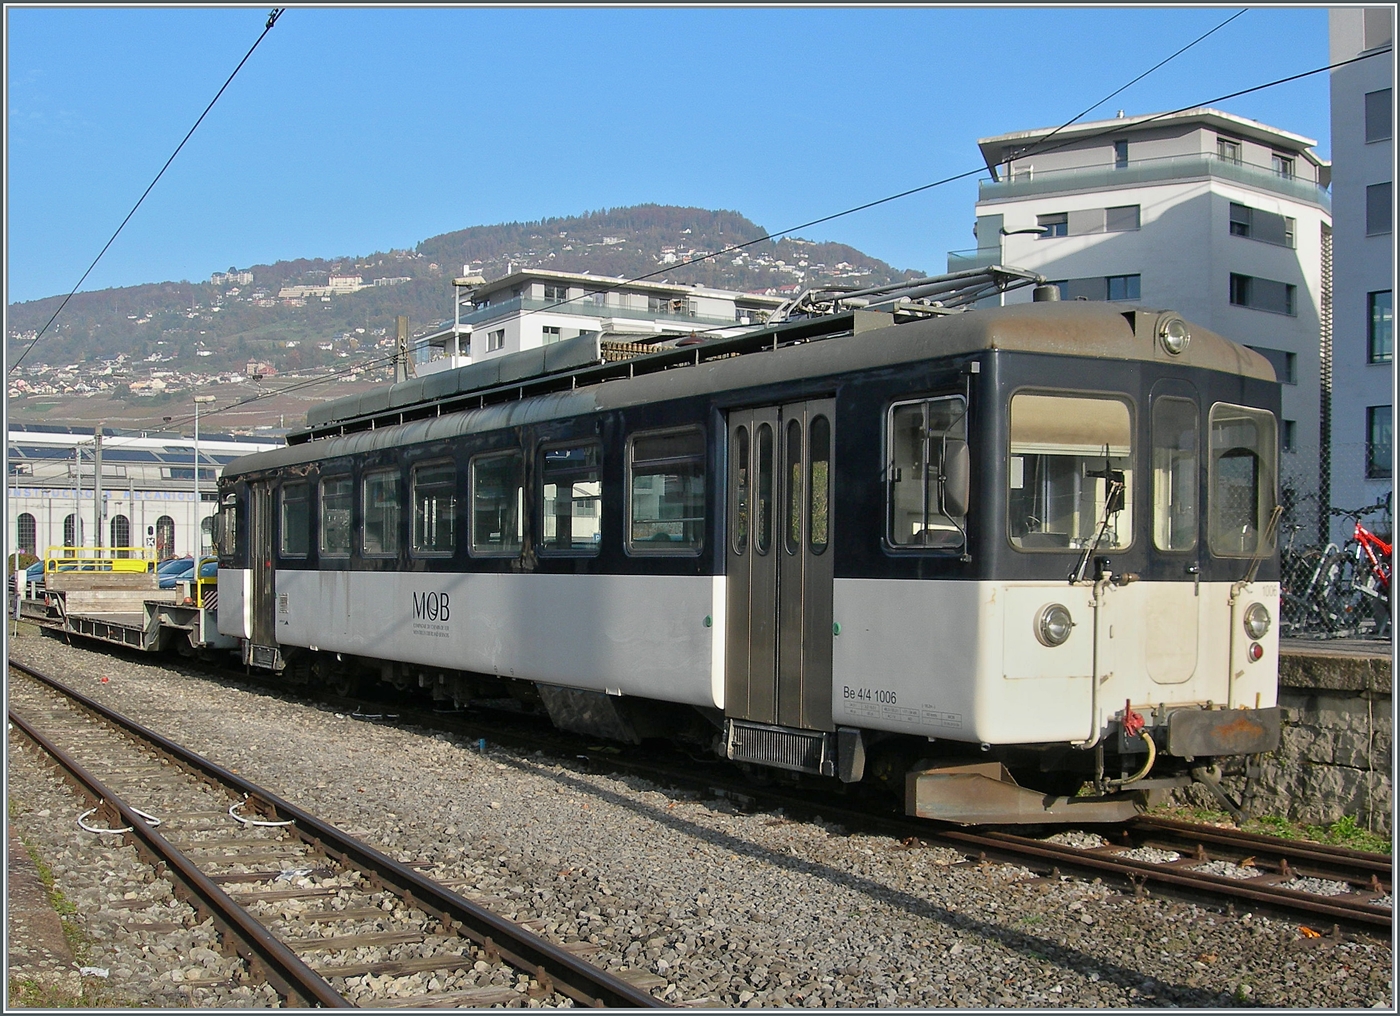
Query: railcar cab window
column 1243, row 478
column 296, row 519
column 434, row 509
column 927, row 474
column 1175, row 473
column 571, row 492
column 1070, row 472
column 498, row 503
column 380, row 536
column 337, row 494
column 666, row 492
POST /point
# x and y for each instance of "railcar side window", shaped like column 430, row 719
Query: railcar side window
column 763, row 500
column 572, row 494
column 1243, row 478
column 296, row 519
column 818, row 483
column 381, row 512
column 739, row 463
column 926, row 472
column 793, row 458
column 434, row 508
column 1070, row 472
column 1175, row 473
column 666, row 486
column 498, row 501
column 336, row 496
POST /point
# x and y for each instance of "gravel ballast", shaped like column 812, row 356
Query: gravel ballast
column 722, row 908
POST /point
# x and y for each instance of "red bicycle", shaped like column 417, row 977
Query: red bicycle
column 1359, row 585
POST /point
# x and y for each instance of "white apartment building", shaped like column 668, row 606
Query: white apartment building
column 1218, row 217
column 148, row 489
column 1363, row 263
column 533, row 308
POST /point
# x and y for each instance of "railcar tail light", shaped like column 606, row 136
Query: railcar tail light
column 1175, row 335
column 1256, row 652
column 1256, row 621
column 1053, row 624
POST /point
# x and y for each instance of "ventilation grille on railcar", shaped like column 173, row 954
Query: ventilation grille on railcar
column 806, row 751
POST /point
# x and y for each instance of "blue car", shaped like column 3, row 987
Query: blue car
column 209, row 569
column 177, row 569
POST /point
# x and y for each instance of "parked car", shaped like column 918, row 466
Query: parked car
column 208, row 569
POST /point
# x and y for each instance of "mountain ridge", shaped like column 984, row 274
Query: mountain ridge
column 224, row 325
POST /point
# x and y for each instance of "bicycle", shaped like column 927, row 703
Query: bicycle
column 1306, row 575
column 1360, row 588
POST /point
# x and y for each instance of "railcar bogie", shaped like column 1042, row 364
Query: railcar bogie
column 982, row 559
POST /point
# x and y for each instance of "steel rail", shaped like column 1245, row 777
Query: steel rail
column 1339, row 863
column 1018, row 849
column 1009, row 847
column 562, row 970
column 1005, row 848
column 1146, row 871
column 266, row 956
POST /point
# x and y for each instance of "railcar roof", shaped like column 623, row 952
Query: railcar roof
column 1076, row 329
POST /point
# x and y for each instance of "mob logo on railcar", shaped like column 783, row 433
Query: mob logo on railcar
column 431, row 606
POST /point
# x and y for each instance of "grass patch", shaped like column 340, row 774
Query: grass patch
column 1345, row 832
column 66, row 909
column 31, row 994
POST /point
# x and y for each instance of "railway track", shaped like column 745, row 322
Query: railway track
column 1313, row 883
column 300, row 901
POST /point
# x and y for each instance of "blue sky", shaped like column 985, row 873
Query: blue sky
column 360, row 129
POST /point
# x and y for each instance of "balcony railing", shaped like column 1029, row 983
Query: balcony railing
column 1176, row 167
column 584, row 308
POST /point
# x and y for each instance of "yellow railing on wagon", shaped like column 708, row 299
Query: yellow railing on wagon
column 139, row 560
column 203, row 585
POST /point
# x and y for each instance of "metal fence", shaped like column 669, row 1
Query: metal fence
column 1331, row 587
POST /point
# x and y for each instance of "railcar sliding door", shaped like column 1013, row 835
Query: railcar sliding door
column 779, row 565
column 262, row 577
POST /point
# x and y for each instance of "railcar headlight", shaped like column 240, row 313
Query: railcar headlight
column 1053, row 624
column 1175, row 335
column 1256, row 621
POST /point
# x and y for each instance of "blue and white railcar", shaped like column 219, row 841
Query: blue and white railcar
column 982, row 557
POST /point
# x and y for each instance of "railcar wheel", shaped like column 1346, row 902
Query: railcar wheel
column 345, row 684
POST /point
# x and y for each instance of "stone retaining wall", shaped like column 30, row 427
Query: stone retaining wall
column 1335, row 759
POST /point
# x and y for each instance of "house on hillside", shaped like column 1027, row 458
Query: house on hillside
column 533, row 308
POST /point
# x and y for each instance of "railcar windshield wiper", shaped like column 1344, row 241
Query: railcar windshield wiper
column 1113, row 504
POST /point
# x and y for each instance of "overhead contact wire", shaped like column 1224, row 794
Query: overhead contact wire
column 1034, row 150
column 271, row 20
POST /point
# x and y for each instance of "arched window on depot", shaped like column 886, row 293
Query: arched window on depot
column 121, row 535
column 26, row 534
column 72, row 531
column 165, row 538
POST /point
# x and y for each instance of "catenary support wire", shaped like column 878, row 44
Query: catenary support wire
column 351, row 368
column 271, row 20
